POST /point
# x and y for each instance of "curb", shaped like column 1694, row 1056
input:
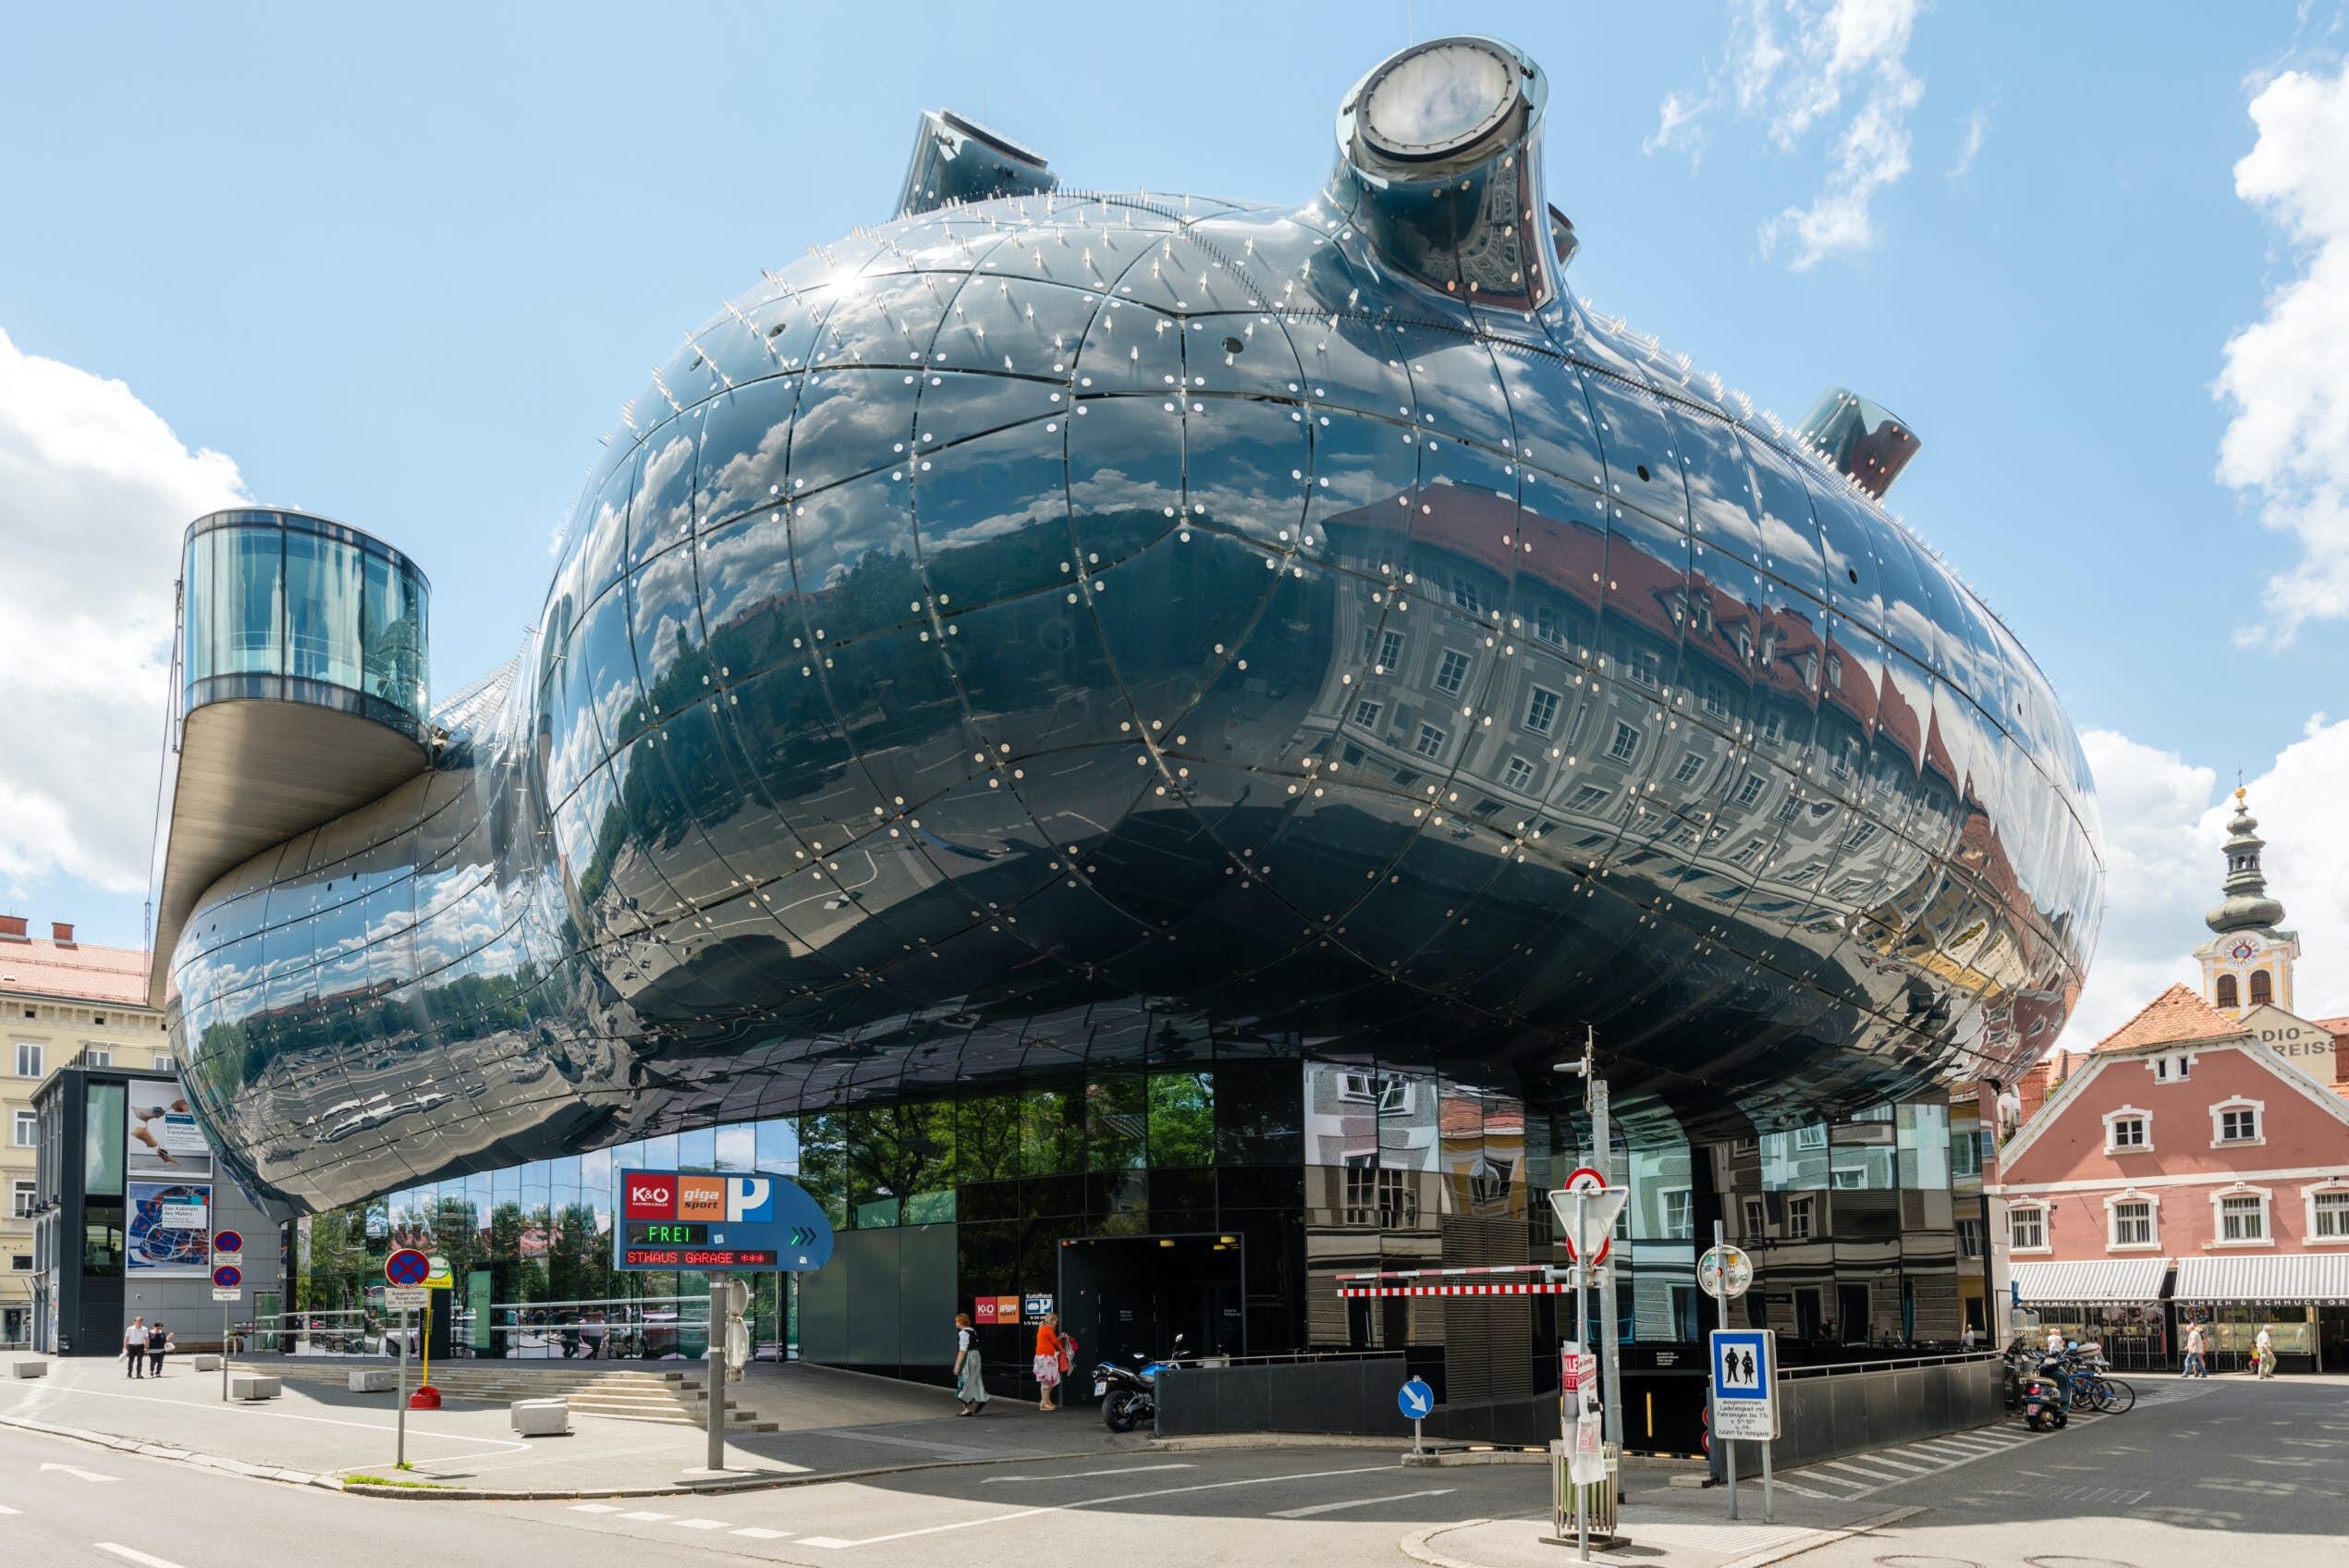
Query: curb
column 1420, row 1548
column 768, row 1482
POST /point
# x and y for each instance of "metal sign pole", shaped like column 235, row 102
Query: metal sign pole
column 1769, row 1511
column 1609, row 1343
column 1582, row 1340
column 223, row 1354
column 402, row 1455
column 1416, row 1448
column 1720, row 1320
column 717, row 1373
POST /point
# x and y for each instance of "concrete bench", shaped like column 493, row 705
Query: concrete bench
column 28, row 1369
column 374, row 1380
column 204, row 1362
column 542, row 1418
column 251, row 1386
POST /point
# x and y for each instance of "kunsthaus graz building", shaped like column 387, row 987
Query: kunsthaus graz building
column 1120, row 739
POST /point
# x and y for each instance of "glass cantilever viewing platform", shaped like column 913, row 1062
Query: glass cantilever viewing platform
column 299, row 691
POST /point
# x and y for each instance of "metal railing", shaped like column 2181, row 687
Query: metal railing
column 1888, row 1365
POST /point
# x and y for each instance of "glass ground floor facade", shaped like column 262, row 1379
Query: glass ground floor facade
column 1221, row 1198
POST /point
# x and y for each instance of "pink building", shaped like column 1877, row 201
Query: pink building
column 2195, row 1166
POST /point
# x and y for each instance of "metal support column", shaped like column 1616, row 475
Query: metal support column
column 1611, row 1352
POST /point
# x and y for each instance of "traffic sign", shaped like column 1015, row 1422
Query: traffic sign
column 228, row 1277
column 1725, row 1271
column 406, row 1298
column 436, row 1275
column 724, row 1221
column 228, row 1246
column 229, row 1293
column 407, row 1267
column 1597, row 1211
column 1415, row 1399
column 1745, row 1383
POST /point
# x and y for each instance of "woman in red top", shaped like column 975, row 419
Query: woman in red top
column 1047, row 1361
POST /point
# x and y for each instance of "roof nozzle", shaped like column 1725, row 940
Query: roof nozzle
column 1859, row 437
column 957, row 159
column 1437, row 155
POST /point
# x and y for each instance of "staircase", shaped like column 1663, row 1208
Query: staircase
column 675, row 1398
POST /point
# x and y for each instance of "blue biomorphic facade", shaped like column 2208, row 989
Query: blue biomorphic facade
column 1058, row 632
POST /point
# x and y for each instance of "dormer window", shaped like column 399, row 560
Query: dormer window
column 2172, row 1069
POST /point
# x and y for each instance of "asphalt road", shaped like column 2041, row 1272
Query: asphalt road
column 2229, row 1474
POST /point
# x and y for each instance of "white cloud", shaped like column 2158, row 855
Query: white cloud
column 2162, row 832
column 1973, row 130
column 94, row 493
column 2287, row 446
column 1834, row 52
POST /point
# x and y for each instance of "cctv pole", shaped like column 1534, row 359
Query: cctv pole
column 1611, row 1348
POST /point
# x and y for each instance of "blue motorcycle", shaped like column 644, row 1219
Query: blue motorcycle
column 1129, row 1395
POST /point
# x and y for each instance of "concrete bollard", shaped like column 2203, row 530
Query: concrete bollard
column 374, row 1380
column 204, row 1362
column 542, row 1418
column 28, row 1369
column 251, row 1387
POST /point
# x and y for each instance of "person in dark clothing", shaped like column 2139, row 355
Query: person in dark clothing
column 158, row 1340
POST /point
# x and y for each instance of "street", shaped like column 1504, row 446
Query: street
column 2263, row 1465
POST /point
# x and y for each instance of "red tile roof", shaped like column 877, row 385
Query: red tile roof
column 78, row 971
column 2177, row 1014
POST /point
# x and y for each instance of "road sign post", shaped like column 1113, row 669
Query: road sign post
column 1743, row 1375
column 1415, row 1399
column 227, row 1288
column 400, row 1454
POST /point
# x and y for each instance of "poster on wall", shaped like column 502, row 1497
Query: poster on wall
column 170, row 1232
column 160, row 1137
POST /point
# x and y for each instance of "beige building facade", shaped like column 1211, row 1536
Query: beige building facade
column 59, row 998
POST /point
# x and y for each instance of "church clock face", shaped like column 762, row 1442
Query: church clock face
column 2242, row 950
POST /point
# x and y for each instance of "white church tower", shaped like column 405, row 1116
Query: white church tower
column 2247, row 962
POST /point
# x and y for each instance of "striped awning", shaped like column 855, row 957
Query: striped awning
column 2111, row 1281
column 2317, row 1277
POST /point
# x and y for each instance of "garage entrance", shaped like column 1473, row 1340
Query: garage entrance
column 1123, row 1294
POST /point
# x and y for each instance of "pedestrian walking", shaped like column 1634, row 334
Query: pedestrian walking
column 967, row 1385
column 2195, row 1366
column 158, row 1343
column 2264, row 1349
column 1048, row 1363
column 134, row 1345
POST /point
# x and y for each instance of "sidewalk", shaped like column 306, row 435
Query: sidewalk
column 1664, row 1527
column 835, row 1425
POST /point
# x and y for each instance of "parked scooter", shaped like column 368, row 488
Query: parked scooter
column 2034, row 1392
column 1129, row 1395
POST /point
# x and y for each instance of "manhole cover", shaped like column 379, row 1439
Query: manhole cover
column 1903, row 1560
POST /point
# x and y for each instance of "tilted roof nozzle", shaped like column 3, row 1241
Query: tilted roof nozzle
column 1859, row 437
column 1439, row 152
column 959, row 160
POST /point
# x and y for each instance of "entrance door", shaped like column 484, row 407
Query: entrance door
column 1127, row 1296
column 2332, row 1339
column 1852, row 1313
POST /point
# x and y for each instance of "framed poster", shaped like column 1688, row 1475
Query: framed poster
column 170, row 1230
column 160, row 1135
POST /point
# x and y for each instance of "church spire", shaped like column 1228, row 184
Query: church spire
column 2247, row 906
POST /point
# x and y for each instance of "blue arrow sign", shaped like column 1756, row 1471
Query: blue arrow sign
column 1415, row 1399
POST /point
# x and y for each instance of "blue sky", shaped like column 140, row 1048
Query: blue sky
column 402, row 270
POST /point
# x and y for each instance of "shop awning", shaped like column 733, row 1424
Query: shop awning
column 2318, row 1278
column 2114, row 1282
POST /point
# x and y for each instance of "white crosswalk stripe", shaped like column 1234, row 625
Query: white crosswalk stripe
column 757, row 1533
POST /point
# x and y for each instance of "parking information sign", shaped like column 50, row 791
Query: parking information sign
column 722, row 1221
column 1745, row 1384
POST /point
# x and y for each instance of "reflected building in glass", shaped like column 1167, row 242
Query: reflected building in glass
column 1121, row 737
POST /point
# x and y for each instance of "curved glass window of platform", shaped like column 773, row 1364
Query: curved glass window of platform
column 281, row 605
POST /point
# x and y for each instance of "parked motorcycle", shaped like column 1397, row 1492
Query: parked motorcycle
column 2035, row 1392
column 1129, row 1395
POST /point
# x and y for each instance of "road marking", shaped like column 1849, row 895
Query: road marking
column 1863, row 1471
column 701, row 1523
column 1806, row 1491
column 756, row 1534
column 1082, row 1474
column 595, row 1508
column 647, row 1515
column 247, row 1414
column 1356, row 1502
column 131, row 1554
column 84, row 1474
column 5, row 1509
column 833, row 1543
column 1879, row 1457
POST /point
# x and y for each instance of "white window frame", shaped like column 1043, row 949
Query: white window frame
column 2171, row 1067
column 2112, row 1119
column 1683, row 1227
column 2258, row 1109
column 24, row 1121
column 2337, row 1186
column 21, row 1190
column 1969, row 1236
column 2266, row 1237
column 2113, row 1242
column 40, row 1058
column 1448, row 662
column 1420, row 746
column 1758, row 1219
column 97, row 1054
column 1801, row 1219
column 1533, row 700
column 2046, row 1213
column 1617, row 751
column 1517, row 774
column 1375, row 711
